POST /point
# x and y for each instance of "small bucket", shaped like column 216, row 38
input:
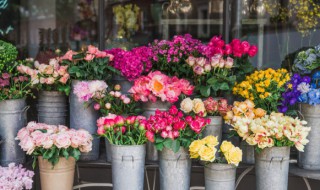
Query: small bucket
column 220, row 176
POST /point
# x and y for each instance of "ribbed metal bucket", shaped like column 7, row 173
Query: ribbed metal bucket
column 52, row 108
column 310, row 158
column 149, row 108
column 220, row 176
column 247, row 153
column 13, row 117
column 128, row 167
column 83, row 117
column 214, row 128
column 108, row 151
column 272, row 168
column 60, row 177
column 175, row 169
column 123, row 82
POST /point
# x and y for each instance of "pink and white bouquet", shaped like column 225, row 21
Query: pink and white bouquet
column 50, row 77
column 15, row 177
column 171, row 129
column 121, row 130
column 158, row 85
column 52, row 142
column 87, row 90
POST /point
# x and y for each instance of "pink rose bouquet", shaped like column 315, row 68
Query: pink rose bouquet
column 52, row 142
column 171, row 129
column 121, row 130
column 91, row 64
column 15, row 177
column 50, row 77
column 158, row 85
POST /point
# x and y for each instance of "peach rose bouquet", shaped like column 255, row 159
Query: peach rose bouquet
column 205, row 150
column 52, row 142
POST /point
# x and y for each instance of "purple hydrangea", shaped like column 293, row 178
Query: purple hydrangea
column 15, row 177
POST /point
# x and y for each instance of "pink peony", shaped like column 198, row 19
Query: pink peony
column 92, row 49
column 252, row 51
column 68, row 55
column 150, row 136
column 62, row 140
column 89, row 57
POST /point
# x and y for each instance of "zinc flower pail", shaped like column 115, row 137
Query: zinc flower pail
column 60, row 176
column 123, row 82
column 310, row 158
column 13, row 117
column 175, row 169
column 214, row 128
column 52, row 108
column 128, row 163
column 84, row 117
column 219, row 176
column 149, row 108
column 272, row 168
column 247, row 153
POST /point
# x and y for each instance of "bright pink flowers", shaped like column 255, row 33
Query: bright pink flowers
column 15, row 177
column 158, row 85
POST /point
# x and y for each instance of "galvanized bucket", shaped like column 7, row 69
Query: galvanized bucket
column 149, row 108
column 52, row 108
column 13, row 117
column 128, row 166
column 310, row 158
column 175, row 169
column 272, row 168
column 123, row 82
column 247, row 153
column 108, row 151
column 215, row 129
column 220, row 176
column 84, row 117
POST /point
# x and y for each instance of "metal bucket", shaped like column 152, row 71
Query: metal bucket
column 247, row 153
column 82, row 117
column 52, row 108
column 272, row 168
column 219, row 176
column 149, row 108
column 128, row 166
column 175, row 169
column 310, row 158
column 13, row 117
column 123, row 82
column 108, row 151
column 60, row 177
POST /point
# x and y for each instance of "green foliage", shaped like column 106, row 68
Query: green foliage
column 8, row 54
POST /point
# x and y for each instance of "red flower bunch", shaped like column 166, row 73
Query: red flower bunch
column 216, row 107
column 172, row 129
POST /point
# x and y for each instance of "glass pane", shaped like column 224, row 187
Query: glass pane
column 279, row 27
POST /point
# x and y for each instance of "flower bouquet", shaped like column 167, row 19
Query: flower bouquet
column 307, row 61
column 219, row 171
column 15, row 177
column 56, row 148
column 127, row 136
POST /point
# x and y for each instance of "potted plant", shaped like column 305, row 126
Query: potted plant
column 14, row 88
column 172, row 133
column 15, row 177
column 57, row 148
column 89, row 64
column 127, row 136
column 51, row 80
column 219, row 172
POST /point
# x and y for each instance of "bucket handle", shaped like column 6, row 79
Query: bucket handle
column 178, row 160
column 128, row 156
column 23, row 111
column 300, row 114
column 281, row 159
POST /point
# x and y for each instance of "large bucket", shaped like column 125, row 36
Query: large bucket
column 128, row 166
column 247, row 153
column 149, row 108
column 52, row 108
column 219, row 176
column 175, row 169
column 123, row 82
column 310, row 158
column 13, row 117
column 84, row 117
column 60, row 177
column 215, row 129
column 272, row 168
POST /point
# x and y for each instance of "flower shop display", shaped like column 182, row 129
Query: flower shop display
column 172, row 133
column 57, row 148
column 127, row 136
column 272, row 134
column 14, row 88
column 219, row 172
column 15, row 177
column 51, row 80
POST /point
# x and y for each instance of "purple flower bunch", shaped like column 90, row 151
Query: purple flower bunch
column 15, row 177
column 295, row 87
column 132, row 64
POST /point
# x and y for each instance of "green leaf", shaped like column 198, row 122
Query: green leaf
column 159, row 140
column 224, row 86
column 175, row 145
column 205, row 91
column 168, row 143
column 159, row 146
column 212, row 81
column 75, row 153
column 65, row 153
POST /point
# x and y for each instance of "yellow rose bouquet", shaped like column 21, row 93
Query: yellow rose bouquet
column 264, row 88
column 205, row 150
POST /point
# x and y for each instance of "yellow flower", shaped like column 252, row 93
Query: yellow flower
column 211, row 141
column 198, row 106
column 207, row 154
column 226, row 146
column 194, row 148
column 234, row 156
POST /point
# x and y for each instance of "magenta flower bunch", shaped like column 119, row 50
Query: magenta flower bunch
column 15, row 177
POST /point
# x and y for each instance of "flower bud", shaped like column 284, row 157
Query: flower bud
column 117, row 87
